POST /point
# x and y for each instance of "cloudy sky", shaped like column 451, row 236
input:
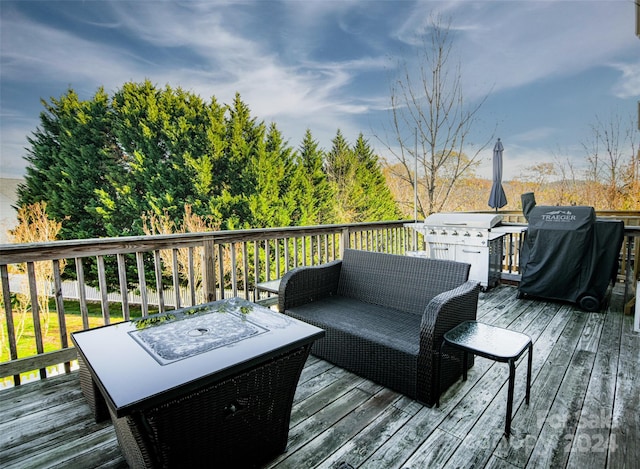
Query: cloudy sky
column 549, row 68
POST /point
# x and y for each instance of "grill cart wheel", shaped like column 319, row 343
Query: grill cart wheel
column 589, row 303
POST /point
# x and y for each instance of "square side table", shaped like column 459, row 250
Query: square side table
column 495, row 343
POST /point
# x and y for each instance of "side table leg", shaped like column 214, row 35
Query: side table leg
column 512, row 376
column 529, row 362
column 438, row 373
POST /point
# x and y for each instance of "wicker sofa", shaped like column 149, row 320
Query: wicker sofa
column 384, row 316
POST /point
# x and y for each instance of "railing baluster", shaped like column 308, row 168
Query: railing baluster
column 256, row 269
column 102, row 283
column 304, row 250
column 8, row 312
column 221, row 269
column 142, row 283
column 287, row 259
column 176, row 277
column 234, row 271
column 157, row 267
column 82, row 292
column 35, row 312
column 124, row 290
column 245, row 269
column 326, row 248
column 267, row 260
column 191, row 275
column 62, row 322
column 209, row 270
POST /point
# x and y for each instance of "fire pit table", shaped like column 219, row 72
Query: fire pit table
column 209, row 385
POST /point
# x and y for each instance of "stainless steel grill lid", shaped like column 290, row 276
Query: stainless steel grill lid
column 483, row 221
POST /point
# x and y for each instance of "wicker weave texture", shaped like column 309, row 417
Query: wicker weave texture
column 385, row 315
column 239, row 422
column 91, row 393
column 397, row 282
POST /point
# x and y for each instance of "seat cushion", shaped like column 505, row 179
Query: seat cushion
column 372, row 341
column 390, row 328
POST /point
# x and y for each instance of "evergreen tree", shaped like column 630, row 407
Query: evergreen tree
column 377, row 202
column 341, row 170
column 105, row 165
column 156, row 131
column 315, row 195
column 243, row 135
column 362, row 191
column 208, row 168
column 273, row 200
column 69, row 158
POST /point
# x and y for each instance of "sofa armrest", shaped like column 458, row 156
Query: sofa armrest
column 443, row 313
column 306, row 284
column 446, row 311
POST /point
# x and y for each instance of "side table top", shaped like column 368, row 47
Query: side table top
column 487, row 340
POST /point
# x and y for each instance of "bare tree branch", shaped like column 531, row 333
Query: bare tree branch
column 429, row 105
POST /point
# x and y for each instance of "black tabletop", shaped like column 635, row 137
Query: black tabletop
column 142, row 362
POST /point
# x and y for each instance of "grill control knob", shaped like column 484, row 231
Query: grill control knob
column 479, row 235
column 467, row 233
column 443, row 232
column 455, row 233
column 432, row 231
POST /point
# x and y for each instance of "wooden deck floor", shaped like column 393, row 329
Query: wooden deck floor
column 584, row 409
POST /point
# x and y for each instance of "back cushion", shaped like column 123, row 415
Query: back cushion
column 399, row 282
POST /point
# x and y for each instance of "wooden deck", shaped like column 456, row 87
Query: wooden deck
column 584, row 409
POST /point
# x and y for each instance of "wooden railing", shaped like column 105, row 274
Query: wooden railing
column 208, row 266
column 180, row 270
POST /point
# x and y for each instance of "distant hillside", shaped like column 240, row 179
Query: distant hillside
column 8, row 199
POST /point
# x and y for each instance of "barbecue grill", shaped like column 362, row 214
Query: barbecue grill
column 569, row 254
column 464, row 237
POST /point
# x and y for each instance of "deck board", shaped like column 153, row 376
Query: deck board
column 583, row 411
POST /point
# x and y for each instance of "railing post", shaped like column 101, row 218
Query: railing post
column 209, row 270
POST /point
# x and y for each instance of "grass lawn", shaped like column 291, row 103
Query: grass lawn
column 73, row 318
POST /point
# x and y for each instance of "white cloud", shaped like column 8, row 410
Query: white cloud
column 229, row 60
column 628, row 85
column 217, row 49
column 510, row 44
column 535, row 135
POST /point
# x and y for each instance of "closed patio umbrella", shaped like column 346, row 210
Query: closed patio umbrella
column 497, row 199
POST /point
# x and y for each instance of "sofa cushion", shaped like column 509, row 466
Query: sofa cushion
column 375, row 342
column 392, row 328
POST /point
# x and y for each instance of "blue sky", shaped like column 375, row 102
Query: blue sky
column 549, row 67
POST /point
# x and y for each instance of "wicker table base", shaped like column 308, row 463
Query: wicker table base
column 240, row 422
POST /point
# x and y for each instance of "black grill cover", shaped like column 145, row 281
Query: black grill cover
column 568, row 254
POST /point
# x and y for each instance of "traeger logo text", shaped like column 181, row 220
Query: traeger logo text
column 559, row 216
